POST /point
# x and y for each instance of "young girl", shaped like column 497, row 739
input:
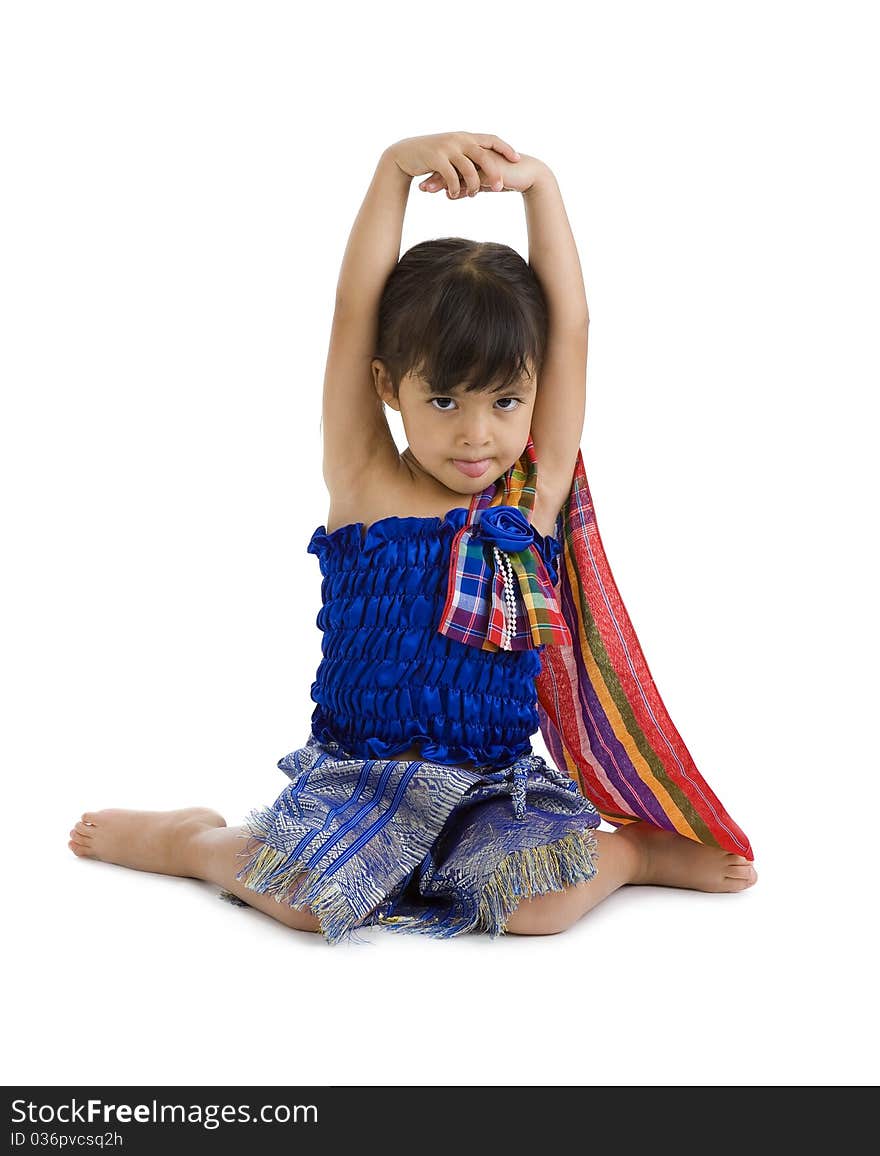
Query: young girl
column 417, row 803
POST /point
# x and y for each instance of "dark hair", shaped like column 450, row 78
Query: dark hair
column 462, row 313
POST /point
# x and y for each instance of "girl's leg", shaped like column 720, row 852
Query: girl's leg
column 194, row 842
column 637, row 854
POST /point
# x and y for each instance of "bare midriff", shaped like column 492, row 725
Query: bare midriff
column 413, row 753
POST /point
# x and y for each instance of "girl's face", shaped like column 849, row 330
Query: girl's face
column 488, row 429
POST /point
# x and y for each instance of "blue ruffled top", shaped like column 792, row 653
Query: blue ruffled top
column 388, row 679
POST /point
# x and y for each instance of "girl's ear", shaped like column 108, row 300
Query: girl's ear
column 386, row 393
column 382, row 384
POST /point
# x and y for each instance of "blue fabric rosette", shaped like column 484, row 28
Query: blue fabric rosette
column 506, row 527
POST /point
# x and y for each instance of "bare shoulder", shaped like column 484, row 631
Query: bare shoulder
column 386, row 488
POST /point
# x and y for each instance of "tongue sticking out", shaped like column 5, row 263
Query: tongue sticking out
column 473, row 469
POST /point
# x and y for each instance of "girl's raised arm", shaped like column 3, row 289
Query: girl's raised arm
column 558, row 416
column 354, row 428
column 355, row 431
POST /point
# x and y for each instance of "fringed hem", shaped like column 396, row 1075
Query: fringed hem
column 535, row 871
column 522, row 874
column 269, row 871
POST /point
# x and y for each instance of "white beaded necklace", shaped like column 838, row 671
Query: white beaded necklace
column 502, row 561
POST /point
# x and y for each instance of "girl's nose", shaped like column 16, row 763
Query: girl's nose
column 476, row 438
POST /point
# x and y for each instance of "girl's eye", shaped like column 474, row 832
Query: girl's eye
column 506, row 409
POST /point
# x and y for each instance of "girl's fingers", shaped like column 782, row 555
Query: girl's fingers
column 456, row 183
column 500, row 146
column 453, row 181
column 494, row 174
column 494, row 183
column 470, row 178
column 492, row 180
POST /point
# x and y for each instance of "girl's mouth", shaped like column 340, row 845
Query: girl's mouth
column 472, row 469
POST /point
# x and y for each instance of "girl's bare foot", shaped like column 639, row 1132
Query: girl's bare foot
column 670, row 860
column 146, row 840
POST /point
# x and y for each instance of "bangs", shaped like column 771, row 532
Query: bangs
column 475, row 340
column 463, row 316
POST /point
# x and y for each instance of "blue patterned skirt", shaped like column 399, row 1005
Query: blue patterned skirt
column 415, row 845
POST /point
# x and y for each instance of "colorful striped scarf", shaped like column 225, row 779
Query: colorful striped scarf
column 600, row 712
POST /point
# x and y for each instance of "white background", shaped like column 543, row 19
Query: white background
column 180, row 181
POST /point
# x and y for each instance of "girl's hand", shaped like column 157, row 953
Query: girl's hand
column 459, row 161
column 516, row 177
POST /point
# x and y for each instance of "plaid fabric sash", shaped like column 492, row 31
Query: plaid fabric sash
column 601, row 715
column 500, row 595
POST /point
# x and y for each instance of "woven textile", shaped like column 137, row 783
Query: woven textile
column 416, row 846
